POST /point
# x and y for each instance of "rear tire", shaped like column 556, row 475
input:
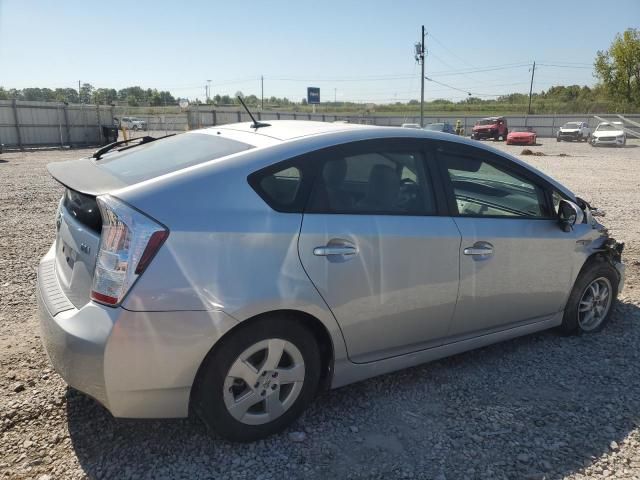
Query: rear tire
column 265, row 352
column 597, row 275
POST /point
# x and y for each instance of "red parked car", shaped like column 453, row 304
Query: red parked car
column 522, row 137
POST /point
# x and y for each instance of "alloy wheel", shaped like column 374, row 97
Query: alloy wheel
column 264, row 381
column 594, row 304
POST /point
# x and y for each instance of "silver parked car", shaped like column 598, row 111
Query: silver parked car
column 236, row 271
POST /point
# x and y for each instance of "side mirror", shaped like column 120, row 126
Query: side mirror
column 569, row 214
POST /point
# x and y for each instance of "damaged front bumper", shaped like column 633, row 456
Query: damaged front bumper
column 612, row 250
column 607, row 246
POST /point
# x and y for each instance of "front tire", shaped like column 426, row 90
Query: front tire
column 259, row 379
column 591, row 301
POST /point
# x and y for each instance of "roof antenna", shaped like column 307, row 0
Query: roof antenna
column 256, row 124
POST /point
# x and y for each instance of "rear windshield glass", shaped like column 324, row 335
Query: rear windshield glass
column 168, row 155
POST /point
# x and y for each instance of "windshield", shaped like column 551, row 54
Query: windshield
column 607, row 128
column 168, row 155
column 522, row 130
column 438, row 127
column 487, row 121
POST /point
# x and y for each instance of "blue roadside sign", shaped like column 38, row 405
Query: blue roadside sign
column 313, row 95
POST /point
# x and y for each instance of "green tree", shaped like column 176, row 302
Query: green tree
column 105, row 96
column 69, row 95
column 86, row 93
column 618, row 68
column 32, row 94
column 134, row 96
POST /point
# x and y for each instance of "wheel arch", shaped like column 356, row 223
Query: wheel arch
column 312, row 323
column 599, row 256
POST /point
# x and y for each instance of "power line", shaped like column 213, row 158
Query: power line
column 481, row 70
column 450, row 51
column 465, row 91
column 353, row 79
column 568, row 63
column 564, row 66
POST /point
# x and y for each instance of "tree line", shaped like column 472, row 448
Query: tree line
column 132, row 96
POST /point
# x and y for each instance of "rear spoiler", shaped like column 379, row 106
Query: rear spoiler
column 85, row 176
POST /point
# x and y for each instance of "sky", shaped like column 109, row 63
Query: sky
column 351, row 49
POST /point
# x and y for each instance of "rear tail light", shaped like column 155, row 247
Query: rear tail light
column 128, row 243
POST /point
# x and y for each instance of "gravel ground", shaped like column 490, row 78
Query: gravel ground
column 543, row 406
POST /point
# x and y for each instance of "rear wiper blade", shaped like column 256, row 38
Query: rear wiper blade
column 142, row 140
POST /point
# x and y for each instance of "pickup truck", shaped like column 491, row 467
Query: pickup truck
column 578, row 131
column 490, row 127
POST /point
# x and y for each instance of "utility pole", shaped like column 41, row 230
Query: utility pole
column 79, row 97
column 533, row 71
column 262, row 91
column 420, row 58
column 335, row 96
column 208, row 90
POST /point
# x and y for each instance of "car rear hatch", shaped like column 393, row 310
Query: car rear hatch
column 78, row 220
column 78, row 226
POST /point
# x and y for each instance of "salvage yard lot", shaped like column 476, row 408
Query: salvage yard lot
column 542, row 406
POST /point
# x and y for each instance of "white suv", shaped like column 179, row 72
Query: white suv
column 132, row 123
column 574, row 131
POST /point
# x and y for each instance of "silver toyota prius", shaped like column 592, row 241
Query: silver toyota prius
column 236, row 271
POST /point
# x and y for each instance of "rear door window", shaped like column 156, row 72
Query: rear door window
column 375, row 177
column 168, row 155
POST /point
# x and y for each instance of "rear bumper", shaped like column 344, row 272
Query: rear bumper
column 75, row 340
column 136, row 364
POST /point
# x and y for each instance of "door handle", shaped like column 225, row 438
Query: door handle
column 334, row 250
column 479, row 249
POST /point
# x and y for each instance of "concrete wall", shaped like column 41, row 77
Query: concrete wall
column 43, row 124
column 39, row 124
column 544, row 125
